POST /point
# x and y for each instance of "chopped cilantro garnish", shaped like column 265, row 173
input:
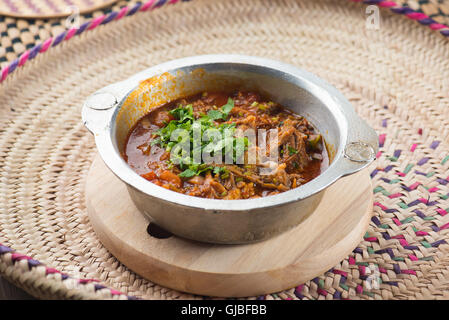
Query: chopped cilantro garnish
column 215, row 114
column 183, row 113
column 228, row 107
column 188, row 173
column 223, row 113
column 222, row 172
column 185, row 120
column 292, row 151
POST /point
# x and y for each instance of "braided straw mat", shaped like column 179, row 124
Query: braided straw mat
column 435, row 9
column 19, row 34
column 49, row 8
column 396, row 77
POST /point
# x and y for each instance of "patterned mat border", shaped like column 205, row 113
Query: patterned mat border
column 152, row 4
column 57, row 12
column 27, row 264
column 17, row 260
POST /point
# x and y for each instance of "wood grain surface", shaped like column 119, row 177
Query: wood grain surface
column 325, row 238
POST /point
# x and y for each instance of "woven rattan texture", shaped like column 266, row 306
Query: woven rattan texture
column 396, row 77
column 49, row 8
column 436, row 9
column 18, row 34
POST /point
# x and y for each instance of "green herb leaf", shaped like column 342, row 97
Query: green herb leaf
column 215, row 114
column 183, row 113
column 217, row 170
column 227, row 108
column 292, row 151
column 188, row 173
column 184, row 119
column 221, row 171
column 223, row 113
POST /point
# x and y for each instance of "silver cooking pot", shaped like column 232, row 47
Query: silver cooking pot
column 111, row 112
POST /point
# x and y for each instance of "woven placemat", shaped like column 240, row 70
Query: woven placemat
column 435, row 9
column 50, row 8
column 396, row 77
column 18, row 34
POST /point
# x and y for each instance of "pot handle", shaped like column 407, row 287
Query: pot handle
column 99, row 106
column 361, row 147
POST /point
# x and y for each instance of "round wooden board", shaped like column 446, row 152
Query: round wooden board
column 320, row 242
column 48, row 9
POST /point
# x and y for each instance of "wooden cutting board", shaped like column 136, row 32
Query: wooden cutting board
column 325, row 238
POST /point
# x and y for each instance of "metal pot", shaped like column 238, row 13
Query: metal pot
column 111, row 112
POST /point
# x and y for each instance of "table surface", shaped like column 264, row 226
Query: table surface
column 11, row 292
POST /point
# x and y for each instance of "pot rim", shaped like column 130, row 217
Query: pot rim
column 100, row 110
